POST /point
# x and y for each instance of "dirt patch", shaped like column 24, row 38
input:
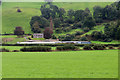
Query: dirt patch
column 7, row 39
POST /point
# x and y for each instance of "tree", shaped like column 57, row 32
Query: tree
column 57, row 22
column 18, row 31
column 89, row 22
column 37, row 23
column 50, row 10
column 42, row 22
column 48, row 33
column 71, row 13
column 36, row 28
column 112, row 30
column 78, row 15
column 109, row 13
column 98, row 13
column 61, row 12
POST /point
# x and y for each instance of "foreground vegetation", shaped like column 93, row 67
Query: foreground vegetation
column 72, row 64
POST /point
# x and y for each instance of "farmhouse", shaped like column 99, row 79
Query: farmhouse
column 38, row 35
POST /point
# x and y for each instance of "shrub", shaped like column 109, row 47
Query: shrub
column 67, row 47
column 60, row 48
column 4, row 50
column 86, row 29
column 18, row 10
column 99, row 47
column 87, row 47
column 78, row 33
column 119, row 47
column 15, row 51
column 36, row 49
column 111, row 47
column 83, row 38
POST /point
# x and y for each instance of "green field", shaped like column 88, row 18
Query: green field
column 11, row 18
column 72, row 64
column 112, row 42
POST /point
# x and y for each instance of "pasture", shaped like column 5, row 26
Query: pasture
column 66, row 64
column 11, row 18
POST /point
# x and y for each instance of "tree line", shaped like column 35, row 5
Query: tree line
column 65, row 21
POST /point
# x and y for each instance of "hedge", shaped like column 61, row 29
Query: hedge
column 67, row 47
column 36, row 49
column 99, row 47
column 87, row 47
column 4, row 50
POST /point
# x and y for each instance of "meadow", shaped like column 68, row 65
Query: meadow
column 11, row 18
column 66, row 64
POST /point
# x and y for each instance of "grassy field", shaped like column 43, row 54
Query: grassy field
column 9, row 36
column 11, row 18
column 72, row 64
column 112, row 42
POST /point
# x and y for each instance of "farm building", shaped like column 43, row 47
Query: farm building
column 38, row 35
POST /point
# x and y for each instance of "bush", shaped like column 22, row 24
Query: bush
column 4, row 50
column 78, row 33
column 60, row 48
column 111, row 47
column 18, row 10
column 87, row 47
column 15, row 51
column 119, row 47
column 36, row 49
column 86, row 29
column 99, row 47
column 67, row 47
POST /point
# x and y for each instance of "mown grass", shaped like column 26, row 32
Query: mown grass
column 11, row 18
column 112, row 42
column 9, row 36
column 67, row 64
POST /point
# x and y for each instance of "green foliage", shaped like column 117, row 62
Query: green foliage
column 36, row 49
column 48, row 33
column 87, row 47
column 112, row 31
column 18, row 31
column 50, row 10
column 89, row 22
column 111, row 47
column 99, row 47
column 110, row 13
column 38, row 22
column 57, row 22
column 98, row 14
column 4, row 50
column 83, row 38
column 67, row 47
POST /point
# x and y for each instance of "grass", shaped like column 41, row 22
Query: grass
column 11, row 18
column 112, row 42
column 9, row 36
column 67, row 64
column 70, row 32
column 38, row 38
column 96, row 28
column 15, row 40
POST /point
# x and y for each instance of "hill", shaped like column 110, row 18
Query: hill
column 11, row 18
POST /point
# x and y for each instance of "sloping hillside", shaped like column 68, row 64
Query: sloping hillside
column 11, row 18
